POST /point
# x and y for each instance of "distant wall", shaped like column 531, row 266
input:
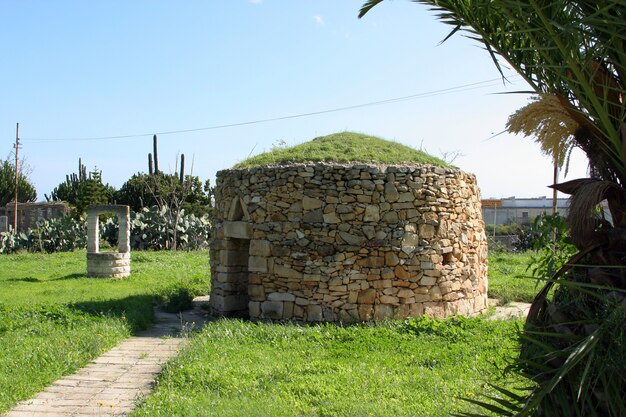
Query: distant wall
column 328, row 242
column 28, row 214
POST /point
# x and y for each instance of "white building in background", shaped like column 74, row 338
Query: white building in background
column 520, row 210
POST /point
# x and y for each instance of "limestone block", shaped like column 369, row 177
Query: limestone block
column 228, row 303
column 391, row 192
column 288, row 309
column 107, row 269
column 107, row 255
column 434, row 310
column 383, row 311
column 367, row 296
column 311, row 278
column 331, row 218
column 373, row 262
column 351, row 239
column 302, row 301
column 314, row 312
column 287, row 272
column 372, row 213
column 298, row 312
column 256, row 292
column 370, row 231
column 389, row 299
column 254, row 309
column 405, row 293
column 428, row 281
column 327, row 313
column 391, row 217
column 281, row 296
column 410, row 239
column 272, row 310
column 427, row 231
column 391, row 259
column 366, row 312
column 257, row 264
column 309, row 203
column 387, row 273
column 238, row 229
column 260, row 248
column 401, row 272
column 315, row 216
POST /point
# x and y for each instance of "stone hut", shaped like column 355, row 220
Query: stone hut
column 332, row 241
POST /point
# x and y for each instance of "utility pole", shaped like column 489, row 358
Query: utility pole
column 17, row 147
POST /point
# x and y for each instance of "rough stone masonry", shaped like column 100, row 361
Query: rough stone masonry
column 333, row 242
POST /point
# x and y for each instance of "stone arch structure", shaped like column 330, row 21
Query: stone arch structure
column 108, row 264
column 231, row 295
column 347, row 242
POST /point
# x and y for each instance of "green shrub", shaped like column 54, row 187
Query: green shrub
column 153, row 229
column 175, row 299
column 551, row 241
column 55, row 235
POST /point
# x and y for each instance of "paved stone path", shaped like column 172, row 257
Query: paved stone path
column 509, row 311
column 112, row 384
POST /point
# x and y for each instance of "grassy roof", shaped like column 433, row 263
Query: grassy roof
column 344, row 147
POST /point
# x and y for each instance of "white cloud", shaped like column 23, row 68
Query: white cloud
column 318, row 19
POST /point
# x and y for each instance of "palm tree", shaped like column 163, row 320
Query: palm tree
column 574, row 51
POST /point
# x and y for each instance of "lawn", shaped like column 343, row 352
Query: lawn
column 419, row 368
column 508, row 278
column 416, row 368
column 53, row 319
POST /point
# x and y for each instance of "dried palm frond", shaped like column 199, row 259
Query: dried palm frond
column 550, row 123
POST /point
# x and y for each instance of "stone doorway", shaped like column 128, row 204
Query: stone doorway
column 230, row 255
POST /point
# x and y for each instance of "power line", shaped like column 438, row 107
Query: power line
column 434, row 93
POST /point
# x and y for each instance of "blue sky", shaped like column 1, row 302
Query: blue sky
column 75, row 70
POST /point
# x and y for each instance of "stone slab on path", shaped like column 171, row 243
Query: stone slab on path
column 114, row 383
column 509, row 311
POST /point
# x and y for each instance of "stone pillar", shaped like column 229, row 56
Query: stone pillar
column 93, row 232
column 123, row 245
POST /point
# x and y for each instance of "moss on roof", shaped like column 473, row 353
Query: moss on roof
column 344, row 147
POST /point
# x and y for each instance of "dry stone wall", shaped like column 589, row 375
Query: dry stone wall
column 327, row 242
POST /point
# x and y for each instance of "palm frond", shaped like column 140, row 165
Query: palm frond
column 368, row 6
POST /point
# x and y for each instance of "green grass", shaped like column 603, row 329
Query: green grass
column 419, row 368
column 508, row 278
column 53, row 319
column 343, row 147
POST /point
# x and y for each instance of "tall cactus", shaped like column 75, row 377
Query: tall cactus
column 156, row 157
column 182, row 168
column 82, row 171
column 150, row 171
